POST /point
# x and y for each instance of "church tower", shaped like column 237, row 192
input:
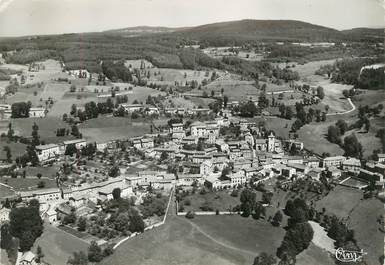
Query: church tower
column 271, row 143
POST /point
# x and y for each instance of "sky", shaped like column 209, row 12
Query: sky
column 38, row 17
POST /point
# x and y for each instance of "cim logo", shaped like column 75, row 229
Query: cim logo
column 349, row 255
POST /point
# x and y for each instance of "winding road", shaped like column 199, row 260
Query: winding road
column 344, row 112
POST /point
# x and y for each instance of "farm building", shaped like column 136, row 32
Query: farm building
column 37, row 112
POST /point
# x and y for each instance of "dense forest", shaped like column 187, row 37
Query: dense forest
column 348, row 71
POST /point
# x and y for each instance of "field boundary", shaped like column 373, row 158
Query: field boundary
column 151, row 226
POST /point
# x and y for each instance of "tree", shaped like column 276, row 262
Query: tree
column 264, row 259
column 20, row 110
column 136, row 224
column 266, row 197
column 121, row 222
column 75, row 130
column 82, row 224
column 35, row 135
column 39, row 254
column 320, row 92
column 225, row 172
column 164, row 156
column 225, row 101
column 94, row 252
column 70, row 150
column 26, row 241
column 116, row 193
column 258, row 211
column 277, row 219
column 40, row 184
column 352, row 146
column 34, row 203
column 248, row 109
column 6, row 237
column 342, row 126
column 114, row 171
column 297, row 238
column 333, row 135
column 248, row 198
column 79, row 258
column 7, row 150
column 10, row 132
column 26, row 224
column 109, row 250
column 263, row 102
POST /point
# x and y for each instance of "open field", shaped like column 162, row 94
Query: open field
column 313, row 137
column 47, row 127
column 221, row 200
column 203, row 240
column 314, row 255
column 361, row 216
column 107, row 128
column 15, row 67
column 340, row 201
column 23, row 184
column 234, row 88
column 5, row 192
column 367, row 139
column 58, row 245
column 46, row 171
column 363, row 220
column 168, row 76
column 17, row 149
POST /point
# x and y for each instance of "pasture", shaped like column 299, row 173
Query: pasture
column 24, row 184
column 5, row 192
column 363, row 220
column 221, row 200
column 168, row 76
column 47, row 126
column 103, row 129
column 58, row 245
column 232, row 87
column 203, row 240
column 361, row 216
column 313, row 136
column 17, row 149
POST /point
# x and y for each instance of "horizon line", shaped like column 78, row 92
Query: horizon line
column 183, row 27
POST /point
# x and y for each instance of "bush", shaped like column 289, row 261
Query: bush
column 190, row 215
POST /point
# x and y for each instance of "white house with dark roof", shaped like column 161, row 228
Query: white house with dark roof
column 47, row 152
column 37, row 112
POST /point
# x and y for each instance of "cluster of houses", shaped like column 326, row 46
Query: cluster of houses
column 150, row 110
column 50, row 152
column 202, row 155
column 252, row 155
